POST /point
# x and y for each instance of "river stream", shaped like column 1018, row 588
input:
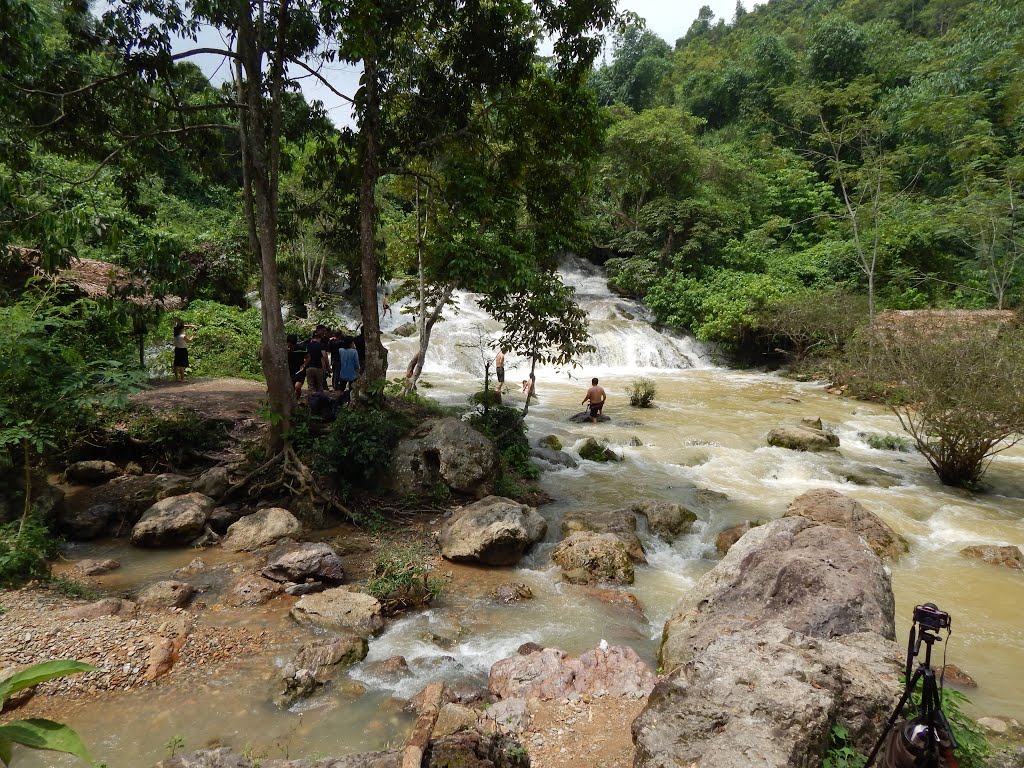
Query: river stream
column 703, row 443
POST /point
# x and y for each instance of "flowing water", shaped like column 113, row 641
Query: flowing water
column 704, row 444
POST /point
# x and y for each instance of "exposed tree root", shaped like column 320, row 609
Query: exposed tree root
column 286, row 471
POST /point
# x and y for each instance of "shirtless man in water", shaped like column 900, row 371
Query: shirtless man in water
column 595, row 397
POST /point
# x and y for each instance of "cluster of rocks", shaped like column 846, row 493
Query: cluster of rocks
column 459, row 727
column 599, row 547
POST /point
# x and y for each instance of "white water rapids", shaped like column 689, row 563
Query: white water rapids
column 703, row 444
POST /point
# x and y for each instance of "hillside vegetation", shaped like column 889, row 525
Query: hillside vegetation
column 838, row 157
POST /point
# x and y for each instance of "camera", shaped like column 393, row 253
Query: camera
column 930, row 617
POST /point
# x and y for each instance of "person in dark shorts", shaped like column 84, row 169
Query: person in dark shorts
column 595, row 397
column 181, row 342
column 296, row 364
column 316, row 362
column 499, row 367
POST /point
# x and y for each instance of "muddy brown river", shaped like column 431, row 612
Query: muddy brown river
column 706, row 432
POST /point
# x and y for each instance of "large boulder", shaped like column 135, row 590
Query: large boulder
column 87, row 523
column 550, row 673
column 803, row 438
column 92, row 472
column 590, row 558
column 619, row 522
column 767, row 697
column 340, row 609
column 113, row 508
column 214, row 482
column 492, row 531
column 664, row 518
column 261, row 529
column 827, row 507
column 815, row 580
column 173, row 521
column 725, row 539
column 299, row 562
column 791, row 632
column 447, row 451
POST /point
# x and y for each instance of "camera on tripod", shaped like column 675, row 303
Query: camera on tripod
column 926, row 739
column 930, row 617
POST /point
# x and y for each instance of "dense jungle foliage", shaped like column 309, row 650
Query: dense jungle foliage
column 812, row 149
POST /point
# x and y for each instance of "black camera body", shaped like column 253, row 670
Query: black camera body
column 930, row 617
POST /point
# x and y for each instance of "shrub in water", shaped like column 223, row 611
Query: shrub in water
column 641, row 393
column 402, row 578
column 507, row 428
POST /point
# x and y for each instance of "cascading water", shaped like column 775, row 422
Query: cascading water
column 702, row 445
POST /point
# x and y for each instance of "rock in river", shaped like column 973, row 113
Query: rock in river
column 492, row 531
column 589, row 558
column 173, row 521
column 298, row 562
column 340, row 609
column 803, row 438
column 791, row 632
column 827, row 507
column 260, row 529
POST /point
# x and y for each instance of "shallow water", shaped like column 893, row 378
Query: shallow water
column 707, row 432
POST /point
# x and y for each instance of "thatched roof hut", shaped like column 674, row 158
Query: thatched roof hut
column 96, row 280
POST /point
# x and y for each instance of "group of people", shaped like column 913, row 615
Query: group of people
column 594, row 399
column 328, row 356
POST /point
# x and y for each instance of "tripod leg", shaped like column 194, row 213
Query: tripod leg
column 911, row 684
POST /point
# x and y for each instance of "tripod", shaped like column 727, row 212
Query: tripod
column 924, row 739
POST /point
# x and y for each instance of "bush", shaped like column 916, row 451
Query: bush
column 174, row 437
column 226, row 341
column 507, row 428
column 812, row 323
column 887, row 442
column 402, row 578
column 641, row 393
column 960, row 393
column 25, row 547
column 357, row 450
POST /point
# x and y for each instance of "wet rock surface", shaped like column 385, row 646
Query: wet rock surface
column 803, row 438
column 1007, row 557
column 492, row 531
column 593, row 450
column 827, row 507
column 592, row 558
column 665, row 518
column 166, row 594
column 621, row 523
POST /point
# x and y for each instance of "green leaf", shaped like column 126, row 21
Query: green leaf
column 43, row 734
column 40, row 673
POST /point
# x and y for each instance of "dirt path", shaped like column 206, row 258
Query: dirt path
column 227, row 399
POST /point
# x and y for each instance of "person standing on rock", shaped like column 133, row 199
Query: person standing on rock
column 595, row 398
column 181, row 342
column 499, row 367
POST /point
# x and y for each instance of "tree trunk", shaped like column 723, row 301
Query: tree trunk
column 259, row 165
column 376, row 364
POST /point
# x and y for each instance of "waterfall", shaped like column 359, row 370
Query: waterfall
column 621, row 329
